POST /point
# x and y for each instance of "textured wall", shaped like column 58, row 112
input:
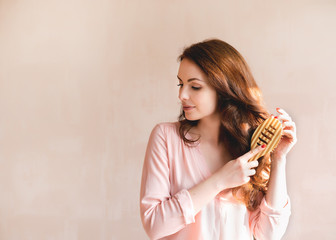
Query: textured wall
column 82, row 83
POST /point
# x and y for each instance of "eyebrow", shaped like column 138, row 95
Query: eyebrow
column 190, row 79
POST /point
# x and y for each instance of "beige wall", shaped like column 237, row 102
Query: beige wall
column 82, row 83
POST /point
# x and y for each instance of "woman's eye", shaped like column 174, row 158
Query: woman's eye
column 193, row 87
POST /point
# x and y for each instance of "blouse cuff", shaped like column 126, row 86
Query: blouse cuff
column 266, row 209
column 186, row 204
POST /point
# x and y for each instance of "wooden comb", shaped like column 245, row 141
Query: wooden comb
column 269, row 133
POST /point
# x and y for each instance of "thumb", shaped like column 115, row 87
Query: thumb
column 247, row 156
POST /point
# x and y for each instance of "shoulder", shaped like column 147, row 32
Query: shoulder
column 168, row 126
column 167, row 130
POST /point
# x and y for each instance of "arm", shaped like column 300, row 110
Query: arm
column 233, row 174
column 163, row 214
column 276, row 195
column 271, row 220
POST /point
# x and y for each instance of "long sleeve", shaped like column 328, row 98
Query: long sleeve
column 268, row 223
column 161, row 213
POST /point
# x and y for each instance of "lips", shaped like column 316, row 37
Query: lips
column 187, row 107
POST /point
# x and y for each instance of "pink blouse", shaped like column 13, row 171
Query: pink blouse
column 170, row 169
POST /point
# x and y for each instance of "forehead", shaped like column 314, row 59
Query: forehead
column 189, row 69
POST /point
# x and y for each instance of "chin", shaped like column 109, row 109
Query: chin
column 191, row 118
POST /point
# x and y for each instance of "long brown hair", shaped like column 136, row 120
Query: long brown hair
column 239, row 103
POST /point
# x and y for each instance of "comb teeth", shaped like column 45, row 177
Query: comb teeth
column 269, row 133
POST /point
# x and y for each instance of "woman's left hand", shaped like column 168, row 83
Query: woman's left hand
column 288, row 139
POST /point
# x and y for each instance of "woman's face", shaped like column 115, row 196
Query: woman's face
column 198, row 98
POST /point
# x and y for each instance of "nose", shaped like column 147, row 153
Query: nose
column 183, row 94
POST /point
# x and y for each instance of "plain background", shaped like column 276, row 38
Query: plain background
column 82, row 84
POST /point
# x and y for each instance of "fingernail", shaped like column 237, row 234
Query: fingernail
column 276, row 117
column 277, row 109
column 263, row 146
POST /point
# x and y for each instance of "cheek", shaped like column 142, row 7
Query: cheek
column 214, row 103
column 209, row 102
column 213, row 99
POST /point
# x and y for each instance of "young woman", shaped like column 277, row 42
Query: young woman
column 192, row 166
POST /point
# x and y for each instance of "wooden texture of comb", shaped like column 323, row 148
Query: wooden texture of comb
column 269, row 133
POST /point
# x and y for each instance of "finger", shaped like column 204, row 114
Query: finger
column 246, row 180
column 284, row 118
column 281, row 111
column 253, row 164
column 288, row 133
column 251, row 172
column 252, row 152
column 289, row 125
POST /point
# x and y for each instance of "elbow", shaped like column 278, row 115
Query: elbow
column 272, row 236
column 150, row 217
column 162, row 218
column 157, row 225
column 271, row 232
column 150, row 224
column 272, row 224
column 151, row 232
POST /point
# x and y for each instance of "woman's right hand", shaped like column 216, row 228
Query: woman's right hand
column 238, row 171
column 233, row 174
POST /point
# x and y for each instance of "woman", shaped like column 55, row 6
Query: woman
column 192, row 166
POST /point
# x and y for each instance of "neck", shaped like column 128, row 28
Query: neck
column 208, row 128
